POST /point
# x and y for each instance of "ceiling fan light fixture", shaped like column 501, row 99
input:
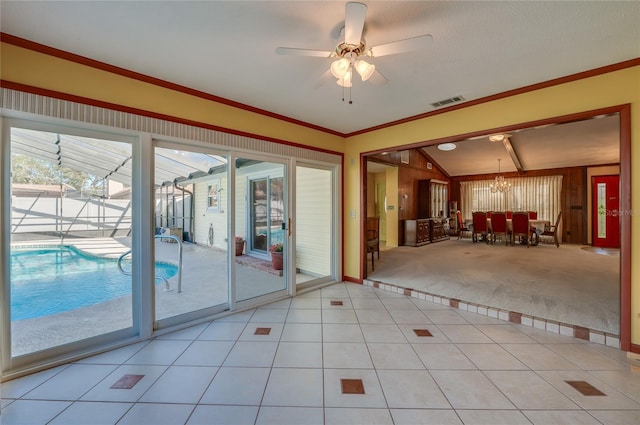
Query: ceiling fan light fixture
column 346, row 80
column 365, row 69
column 340, row 67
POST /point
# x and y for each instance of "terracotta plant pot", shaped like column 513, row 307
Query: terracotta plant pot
column 276, row 260
column 239, row 248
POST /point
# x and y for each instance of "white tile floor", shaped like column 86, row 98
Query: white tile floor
column 472, row 370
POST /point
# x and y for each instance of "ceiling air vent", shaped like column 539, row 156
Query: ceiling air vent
column 449, row 101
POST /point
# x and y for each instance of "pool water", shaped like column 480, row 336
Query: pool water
column 54, row 280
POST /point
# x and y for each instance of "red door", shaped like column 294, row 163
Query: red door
column 606, row 204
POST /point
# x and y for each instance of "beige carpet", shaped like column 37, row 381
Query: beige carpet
column 572, row 284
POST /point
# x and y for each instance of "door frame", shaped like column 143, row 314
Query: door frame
column 9, row 365
column 624, row 111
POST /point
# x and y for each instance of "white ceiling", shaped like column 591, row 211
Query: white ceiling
column 227, row 48
column 587, row 142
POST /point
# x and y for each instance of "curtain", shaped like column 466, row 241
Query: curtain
column 541, row 194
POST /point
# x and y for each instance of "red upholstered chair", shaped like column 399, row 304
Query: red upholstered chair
column 499, row 226
column 509, row 215
column 479, row 226
column 520, row 227
column 461, row 225
column 533, row 215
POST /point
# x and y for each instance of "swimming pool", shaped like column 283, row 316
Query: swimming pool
column 46, row 281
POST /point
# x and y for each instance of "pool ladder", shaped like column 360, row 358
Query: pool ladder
column 167, row 287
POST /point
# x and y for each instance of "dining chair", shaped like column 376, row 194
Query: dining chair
column 373, row 238
column 533, row 215
column 461, row 225
column 552, row 230
column 479, row 219
column 520, row 227
column 499, row 226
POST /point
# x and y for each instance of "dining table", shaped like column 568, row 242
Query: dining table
column 537, row 225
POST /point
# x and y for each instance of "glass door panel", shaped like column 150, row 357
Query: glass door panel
column 260, row 218
column 314, row 224
column 70, row 249
column 191, row 223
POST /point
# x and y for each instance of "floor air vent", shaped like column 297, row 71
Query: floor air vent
column 447, row 101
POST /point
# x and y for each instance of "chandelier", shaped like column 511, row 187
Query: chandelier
column 500, row 184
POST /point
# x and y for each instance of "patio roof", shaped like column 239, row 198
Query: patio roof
column 110, row 159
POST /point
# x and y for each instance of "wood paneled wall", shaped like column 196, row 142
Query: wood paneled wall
column 574, row 198
column 408, row 176
column 574, row 191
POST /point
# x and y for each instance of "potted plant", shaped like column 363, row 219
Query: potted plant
column 239, row 245
column 276, row 255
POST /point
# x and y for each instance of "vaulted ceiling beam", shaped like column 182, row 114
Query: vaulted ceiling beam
column 514, row 155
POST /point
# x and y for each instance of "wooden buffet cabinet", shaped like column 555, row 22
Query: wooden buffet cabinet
column 417, row 232
column 433, row 204
column 424, row 230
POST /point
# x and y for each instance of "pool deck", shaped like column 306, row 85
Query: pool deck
column 204, row 284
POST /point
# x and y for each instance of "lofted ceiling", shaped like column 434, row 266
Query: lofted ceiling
column 590, row 142
column 227, row 48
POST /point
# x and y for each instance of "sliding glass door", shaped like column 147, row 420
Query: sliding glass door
column 190, row 237
column 261, row 222
column 69, row 283
column 99, row 249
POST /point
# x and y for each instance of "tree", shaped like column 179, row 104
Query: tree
column 29, row 170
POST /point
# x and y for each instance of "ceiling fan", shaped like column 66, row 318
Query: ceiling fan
column 351, row 52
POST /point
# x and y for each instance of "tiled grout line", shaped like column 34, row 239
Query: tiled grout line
column 266, row 385
column 134, row 403
column 455, row 304
column 375, row 370
column 324, row 383
column 444, row 394
column 379, row 298
column 219, row 367
column 477, row 368
column 575, row 331
column 78, row 400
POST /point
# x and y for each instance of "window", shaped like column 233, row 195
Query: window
column 540, row 194
column 213, row 196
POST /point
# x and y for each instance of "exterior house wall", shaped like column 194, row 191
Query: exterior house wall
column 206, row 218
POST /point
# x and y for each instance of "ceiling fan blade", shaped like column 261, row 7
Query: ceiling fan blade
column 377, row 79
column 401, row 46
column 323, row 79
column 354, row 22
column 303, row 52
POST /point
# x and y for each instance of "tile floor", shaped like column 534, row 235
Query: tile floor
column 375, row 358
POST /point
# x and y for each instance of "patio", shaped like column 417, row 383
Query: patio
column 204, row 284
